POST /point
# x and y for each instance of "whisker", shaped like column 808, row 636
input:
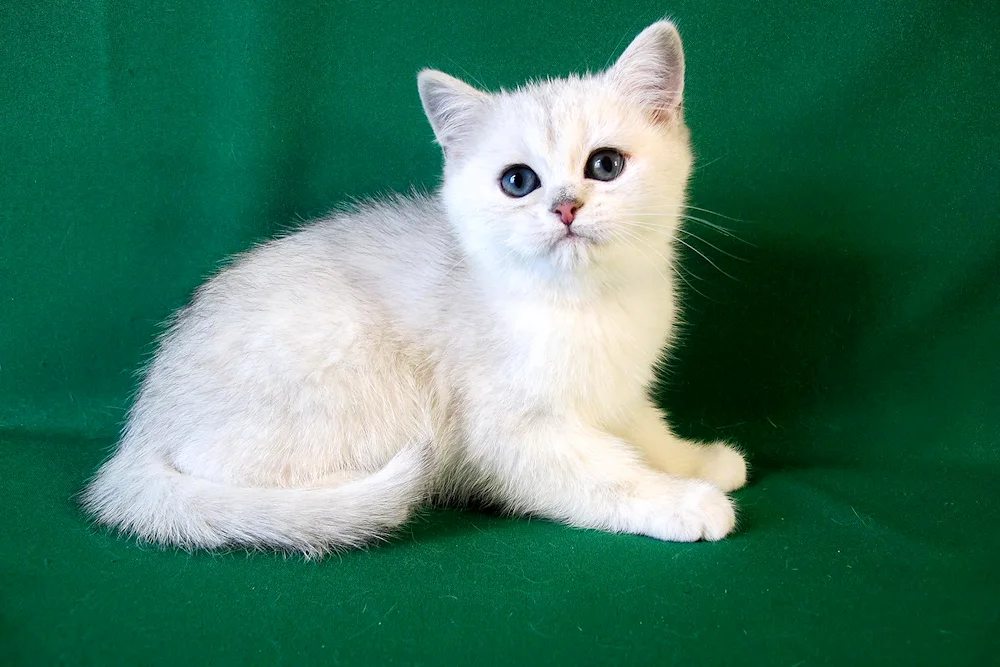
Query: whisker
column 668, row 232
column 691, row 207
column 712, row 245
column 680, row 274
column 636, row 237
column 699, row 167
column 693, row 218
column 705, row 257
column 705, row 210
column 674, row 266
column 654, row 228
column 642, row 224
column 719, row 228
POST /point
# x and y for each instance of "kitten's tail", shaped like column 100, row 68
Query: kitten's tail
column 143, row 495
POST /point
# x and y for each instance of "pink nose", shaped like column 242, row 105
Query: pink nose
column 566, row 211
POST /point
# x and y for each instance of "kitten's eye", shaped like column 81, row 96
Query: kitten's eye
column 604, row 164
column 519, row 180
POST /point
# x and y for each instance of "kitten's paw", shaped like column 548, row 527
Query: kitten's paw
column 723, row 466
column 703, row 512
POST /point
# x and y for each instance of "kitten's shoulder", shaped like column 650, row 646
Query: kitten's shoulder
column 366, row 236
column 387, row 216
column 393, row 238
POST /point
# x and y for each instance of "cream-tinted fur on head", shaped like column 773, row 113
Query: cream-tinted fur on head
column 324, row 385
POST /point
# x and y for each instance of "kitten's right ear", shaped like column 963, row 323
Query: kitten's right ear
column 451, row 106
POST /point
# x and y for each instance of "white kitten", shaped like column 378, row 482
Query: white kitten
column 496, row 340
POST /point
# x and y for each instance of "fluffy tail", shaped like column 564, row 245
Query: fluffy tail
column 143, row 495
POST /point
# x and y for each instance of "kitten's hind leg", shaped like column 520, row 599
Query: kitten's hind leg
column 719, row 463
column 586, row 478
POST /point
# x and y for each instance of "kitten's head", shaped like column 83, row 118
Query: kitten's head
column 571, row 178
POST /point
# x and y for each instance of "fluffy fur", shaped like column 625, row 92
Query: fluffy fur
column 324, row 385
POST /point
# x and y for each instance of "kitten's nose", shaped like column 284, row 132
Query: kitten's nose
column 566, row 210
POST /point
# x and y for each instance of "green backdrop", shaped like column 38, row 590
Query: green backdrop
column 852, row 345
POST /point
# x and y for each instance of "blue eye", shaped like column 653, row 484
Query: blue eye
column 519, row 180
column 605, row 164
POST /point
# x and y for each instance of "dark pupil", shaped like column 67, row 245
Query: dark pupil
column 606, row 164
column 517, row 180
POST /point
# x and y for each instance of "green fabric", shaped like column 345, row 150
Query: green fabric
column 854, row 351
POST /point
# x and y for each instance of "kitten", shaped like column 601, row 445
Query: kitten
column 494, row 340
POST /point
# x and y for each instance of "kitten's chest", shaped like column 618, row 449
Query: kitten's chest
column 594, row 361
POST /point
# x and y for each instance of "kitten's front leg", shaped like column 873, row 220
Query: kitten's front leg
column 718, row 463
column 590, row 479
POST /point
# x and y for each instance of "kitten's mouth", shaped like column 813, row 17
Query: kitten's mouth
column 573, row 248
column 574, row 237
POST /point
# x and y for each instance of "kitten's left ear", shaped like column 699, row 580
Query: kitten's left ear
column 451, row 106
column 651, row 71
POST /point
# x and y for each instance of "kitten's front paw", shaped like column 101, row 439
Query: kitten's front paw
column 723, row 466
column 702, row 513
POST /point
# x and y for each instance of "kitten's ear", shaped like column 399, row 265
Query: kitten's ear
column 451, row 106
column 651, row 71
